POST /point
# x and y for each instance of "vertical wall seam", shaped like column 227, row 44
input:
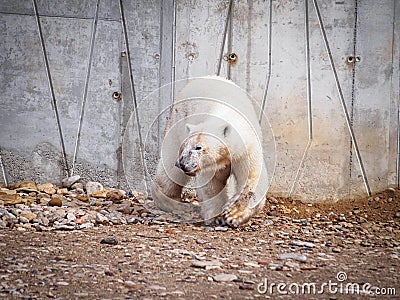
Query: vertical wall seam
column 269, row 68
column 86, row 87
column 341, row 97
column 50, row 82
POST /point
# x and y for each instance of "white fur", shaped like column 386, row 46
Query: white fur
column 225, row 114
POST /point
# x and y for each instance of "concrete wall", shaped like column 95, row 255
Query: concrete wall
column 182, row 39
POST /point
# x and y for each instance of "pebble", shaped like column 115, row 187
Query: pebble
column 294, row 256
column 221, row 228
column 67, row 182
column 206, row 264
column 56, row 200
column 101, row 219
column 115, row 196
column 92, row 187
column 47, row 188
column 303, row 244
column 224, row 277
column 109, row 241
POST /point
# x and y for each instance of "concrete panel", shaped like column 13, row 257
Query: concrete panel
column 199, row 36
column 16, row 7
column 373, row 93
column 28, row 132
column 324, row 167
column 324, row 172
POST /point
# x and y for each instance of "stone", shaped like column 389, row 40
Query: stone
column 56, row 200
column 47, row 188
column 23, row 219
column 101, row 219
column 101, row 194
column 82, row 198
column 63, row 191
column 275, row 267
column 303, row 244
column 292, row 265
column 116, row 196
column 109, row 241
column 64, row 227
column 11, row 199
column 71, row 217
column 28, row 215
column 397, row 215
column 224, row 277
column 294, row 256
column 251, row 264
column 77, row 186
column 27, row 186
column 67, row 182
column 92, row 187
column 206, row 264
column 221, row 228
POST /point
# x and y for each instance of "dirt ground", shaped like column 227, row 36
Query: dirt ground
column 293, row 250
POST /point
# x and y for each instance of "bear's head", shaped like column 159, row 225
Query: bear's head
column 204, row 149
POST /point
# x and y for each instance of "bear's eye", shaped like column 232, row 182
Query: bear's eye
column 198, row 148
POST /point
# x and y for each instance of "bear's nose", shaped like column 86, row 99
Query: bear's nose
column 177, row 163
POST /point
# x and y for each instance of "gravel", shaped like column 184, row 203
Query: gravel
column 110, row 245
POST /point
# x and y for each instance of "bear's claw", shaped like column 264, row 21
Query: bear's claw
column 236, row 215
column 239, row 212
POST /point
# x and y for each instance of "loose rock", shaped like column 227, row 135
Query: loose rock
column 56, row 200
column 109, row 241
column 67, row 182
column 294, row 256
column 92, row 187
column 224, row 277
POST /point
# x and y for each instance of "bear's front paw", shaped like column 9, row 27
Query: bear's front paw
column 239, row 212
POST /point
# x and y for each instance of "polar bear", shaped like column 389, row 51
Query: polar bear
column 213, row 135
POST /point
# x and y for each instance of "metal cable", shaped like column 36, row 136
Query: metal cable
column 353, row 83
column 308, row 88
column 398, row 99
column 3, row 170
column 221, row 53
column 268, row 77
column 85, row 92
column 50, row 82
column 341, row 97
column 173, row 69
column 230, row 41
column 308, row 64
column 133, row 93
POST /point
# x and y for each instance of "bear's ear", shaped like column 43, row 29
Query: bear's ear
column 226, row 130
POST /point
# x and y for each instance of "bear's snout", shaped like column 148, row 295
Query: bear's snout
column 186, row 165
